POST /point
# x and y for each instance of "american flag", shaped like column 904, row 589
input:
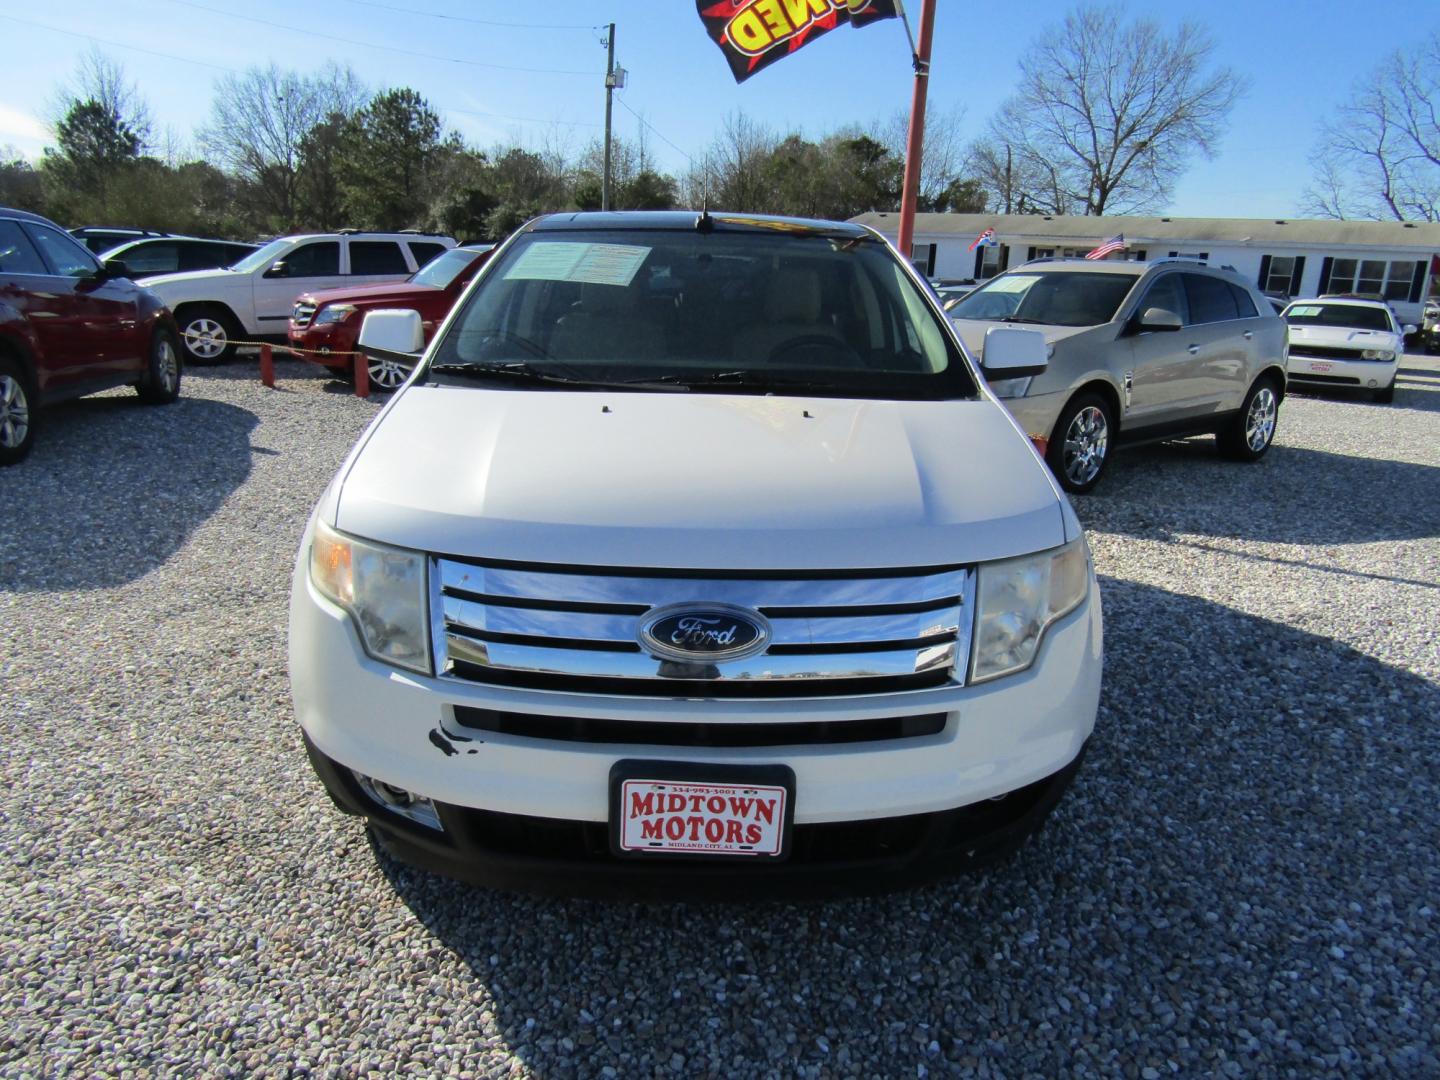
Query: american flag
column 985, row 239
column 1115, row 243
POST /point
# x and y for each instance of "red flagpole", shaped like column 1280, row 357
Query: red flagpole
column 916, row 141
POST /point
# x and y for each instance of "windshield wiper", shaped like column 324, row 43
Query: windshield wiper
column 750, row 377
column 520, row 371
column 1022, row 319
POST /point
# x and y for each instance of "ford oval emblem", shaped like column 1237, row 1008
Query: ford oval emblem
column 704, row 633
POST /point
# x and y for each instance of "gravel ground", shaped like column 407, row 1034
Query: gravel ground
column 1243, row 880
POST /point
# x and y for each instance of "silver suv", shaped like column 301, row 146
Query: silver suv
column 1138, row 352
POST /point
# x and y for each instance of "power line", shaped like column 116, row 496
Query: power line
column 653, row 130
column 121, row 45
column 310, row 32
column 478, row 22
column 235, row 71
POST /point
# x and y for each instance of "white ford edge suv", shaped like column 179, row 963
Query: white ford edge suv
column 695, row 557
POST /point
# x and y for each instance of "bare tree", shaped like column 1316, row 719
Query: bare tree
column 945, row 158
column 1109, row 112
column 259, row 121
column 1379, row 157
column 102, row 80
column 735, row 165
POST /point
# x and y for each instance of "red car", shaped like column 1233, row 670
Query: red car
column 329, row 322
column 70, row 326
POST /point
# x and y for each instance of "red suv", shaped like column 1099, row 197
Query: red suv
column 329, row 322
column 70, row 326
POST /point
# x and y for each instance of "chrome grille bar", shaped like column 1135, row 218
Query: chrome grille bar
column 543, row 625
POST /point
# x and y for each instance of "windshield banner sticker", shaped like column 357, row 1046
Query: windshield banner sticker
column 591, row 264
column 753, row 34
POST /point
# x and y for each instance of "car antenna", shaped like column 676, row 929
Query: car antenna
column 704, row 222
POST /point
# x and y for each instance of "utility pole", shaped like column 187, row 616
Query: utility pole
column 915, row 145
column 609, row 104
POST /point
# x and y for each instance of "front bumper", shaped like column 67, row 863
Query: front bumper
column 998, row 738
column 1324, row 371
column 337, row 338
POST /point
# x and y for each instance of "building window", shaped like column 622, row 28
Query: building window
column 1372, row 277
column 990, row 265
column 922, row 257
column 1277, row 281
column 1203, row 256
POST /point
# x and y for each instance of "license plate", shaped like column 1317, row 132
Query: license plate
column 681, row 809
column 1320, row 367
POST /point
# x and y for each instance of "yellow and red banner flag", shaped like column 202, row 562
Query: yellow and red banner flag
column 753, row 34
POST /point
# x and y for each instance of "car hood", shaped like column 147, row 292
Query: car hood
column 187, row 277
column 1343, row 337
column 384, row 292
column 698, row 480
column 972, row 332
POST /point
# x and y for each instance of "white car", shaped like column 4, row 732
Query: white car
column 1340, row 342
column 253, row 299
column 695, row 557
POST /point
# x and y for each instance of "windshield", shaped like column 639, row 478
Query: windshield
column 443, row 269
column 262, row 257
column 1048, row 297
column 1346, row 316
column 723, row 312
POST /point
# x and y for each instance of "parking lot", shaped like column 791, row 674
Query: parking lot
column 1243, row 880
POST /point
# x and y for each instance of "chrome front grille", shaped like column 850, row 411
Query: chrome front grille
column 577, row 628
column 303, row 313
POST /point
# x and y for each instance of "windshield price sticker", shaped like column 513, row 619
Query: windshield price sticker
column 1304, row 312
column 1018, row 283
column 590, row 264
column 701, row 818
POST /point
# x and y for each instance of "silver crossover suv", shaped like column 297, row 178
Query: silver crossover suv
column 1138, row 352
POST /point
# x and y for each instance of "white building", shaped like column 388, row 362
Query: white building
column 1286, row 257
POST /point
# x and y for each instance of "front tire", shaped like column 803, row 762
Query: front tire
column 17, row 416
column 1249, row 435
column 207, row 334
column 160, row 384
column 1386, row 395
column 1080, row 445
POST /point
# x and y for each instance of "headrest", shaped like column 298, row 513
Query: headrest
column 793, row 296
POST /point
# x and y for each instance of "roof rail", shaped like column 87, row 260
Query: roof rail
column 1184, row 259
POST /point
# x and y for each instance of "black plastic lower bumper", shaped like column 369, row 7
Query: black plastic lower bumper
column 570, row 858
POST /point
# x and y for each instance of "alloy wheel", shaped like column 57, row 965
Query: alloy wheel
column 14, row 412
column 387, row 374
column 167, row 365
column 206, row 338
column 1086, row 442
column 1260, row 420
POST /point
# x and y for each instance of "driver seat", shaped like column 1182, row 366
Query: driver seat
column 792, row 310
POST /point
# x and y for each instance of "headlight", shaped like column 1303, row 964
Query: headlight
column 1377, row 354
column 383, row 589
column 334, row 313
column 1016, row 600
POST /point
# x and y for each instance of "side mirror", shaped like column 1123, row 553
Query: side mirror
column 392, row 334
column 276, row 269
column 1012, row 353
column 116, row 268
column 1407, row 329
column 1158, row 319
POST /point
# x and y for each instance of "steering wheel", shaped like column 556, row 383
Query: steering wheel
column 815, row 341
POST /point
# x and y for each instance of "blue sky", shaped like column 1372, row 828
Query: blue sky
column 1300, row 61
